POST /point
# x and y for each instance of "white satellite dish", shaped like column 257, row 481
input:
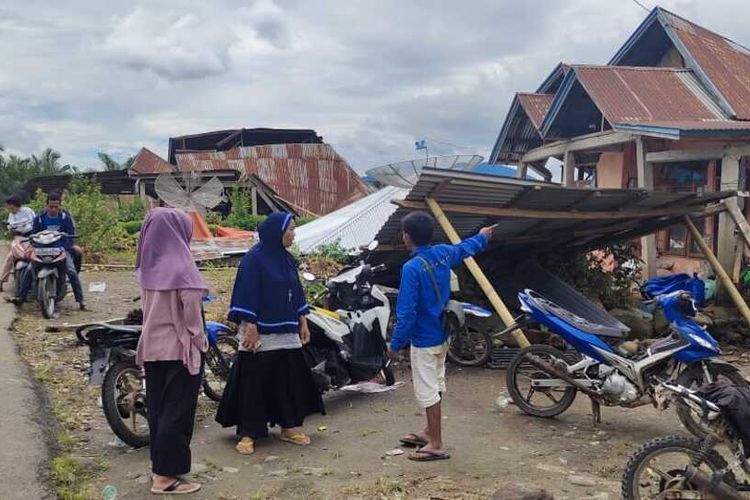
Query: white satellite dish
column 404, row 174
column 187, row 192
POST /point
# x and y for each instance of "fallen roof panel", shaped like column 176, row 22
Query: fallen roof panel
column 543, row 216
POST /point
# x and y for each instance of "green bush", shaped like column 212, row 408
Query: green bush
column 301, row 221
column 246, row 222
column 213, row 228
column 131, row 226
column 131, row 210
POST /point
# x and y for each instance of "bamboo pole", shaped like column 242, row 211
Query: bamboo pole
column 726, row 281
column 484, row 283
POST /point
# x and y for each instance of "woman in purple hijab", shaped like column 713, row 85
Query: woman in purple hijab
column 172, row 343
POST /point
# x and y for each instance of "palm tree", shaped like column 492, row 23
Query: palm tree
column 111, row 165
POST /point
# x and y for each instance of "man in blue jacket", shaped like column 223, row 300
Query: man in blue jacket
column 422, row 296
column 56, row 219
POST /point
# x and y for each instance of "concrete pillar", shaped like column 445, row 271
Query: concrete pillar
column 521, row 170
column 645, row 172
column 727, row 231
column 568, row 169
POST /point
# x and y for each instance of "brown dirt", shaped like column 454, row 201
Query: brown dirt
column 347, row 460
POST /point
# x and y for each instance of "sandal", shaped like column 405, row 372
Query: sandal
column 172, row 489
column 413, row 439
column 299, row 438
column 422, row 455
column 246, row 446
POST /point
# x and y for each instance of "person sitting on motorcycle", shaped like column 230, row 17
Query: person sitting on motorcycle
column 419, row 313
column 55, row 219
column 20, row 223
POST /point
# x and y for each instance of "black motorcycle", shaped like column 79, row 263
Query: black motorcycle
column 112, row 354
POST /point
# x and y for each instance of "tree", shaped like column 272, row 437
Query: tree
column 15, row 170
column 111, row 165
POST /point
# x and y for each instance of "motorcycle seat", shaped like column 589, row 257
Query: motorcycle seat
column 574, row 320
column 121, row 328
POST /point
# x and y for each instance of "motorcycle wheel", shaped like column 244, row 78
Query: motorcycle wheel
column 124, row 403
column 47, row 293
column 652, row 473
column 467, row 347
column 521, row 373
column 219, row 361
column 688, row 417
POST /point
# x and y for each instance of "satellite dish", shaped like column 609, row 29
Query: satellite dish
column 404, row 174
column 187, row 192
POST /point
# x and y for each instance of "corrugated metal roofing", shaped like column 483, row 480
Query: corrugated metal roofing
column 683, row 129
column 536, row 106
column 148, row 162
column 311, row 177
column 725, row 63
column 353, row 225
column 630, row 94
column 475, row 192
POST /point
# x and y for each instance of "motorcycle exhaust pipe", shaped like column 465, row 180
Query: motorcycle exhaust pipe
column 719, row 491
column 561, row 374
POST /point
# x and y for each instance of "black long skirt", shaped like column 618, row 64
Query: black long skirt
column 266, row 389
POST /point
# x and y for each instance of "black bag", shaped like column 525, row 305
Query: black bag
column 734, row 402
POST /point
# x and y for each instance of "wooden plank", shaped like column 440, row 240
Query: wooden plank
column 481, row 279
column 582, row 143
column 677, row 155
column 645, row 172
column 727, row 237
column 724, row 278
column 568, row 169
column 522, row 213
column 738, row 217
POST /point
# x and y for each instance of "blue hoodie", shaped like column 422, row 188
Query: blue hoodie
column 63, row 223
column 418, row 308
column 267, row 291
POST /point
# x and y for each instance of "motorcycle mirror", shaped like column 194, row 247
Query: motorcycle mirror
column 373, row 245
column 308, row 276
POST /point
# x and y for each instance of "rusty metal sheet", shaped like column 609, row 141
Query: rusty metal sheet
column 312, row 177
column 724, row 62
column 630, row 94
column 148, row 162
column 536, row 106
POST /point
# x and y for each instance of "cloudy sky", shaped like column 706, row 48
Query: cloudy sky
column 83, row 76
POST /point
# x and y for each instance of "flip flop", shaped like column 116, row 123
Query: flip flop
column 427, row 456
column 172, row 488
column 411, row 439
column 298, row 438
column 245, row 447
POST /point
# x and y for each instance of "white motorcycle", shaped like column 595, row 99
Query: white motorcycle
column 348, row 339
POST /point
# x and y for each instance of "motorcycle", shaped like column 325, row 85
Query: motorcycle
column 19, row 248
column 112, row 365
column 688, row 467
column 48, row 268
column 348, row 339
column 609, row 369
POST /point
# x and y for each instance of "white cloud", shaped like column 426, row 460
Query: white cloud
column 370, row 77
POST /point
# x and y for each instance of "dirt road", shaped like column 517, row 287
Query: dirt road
column 349, row 457
column 23, row 449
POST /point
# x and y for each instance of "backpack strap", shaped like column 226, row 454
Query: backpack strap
column 428, row 268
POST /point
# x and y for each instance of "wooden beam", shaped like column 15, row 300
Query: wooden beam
column 521, row 213
column 727, row 236
column 724, row 278
column 733, row 210
column 582, row 143
column 521, row 170
column 481, row 279
column 678, row 155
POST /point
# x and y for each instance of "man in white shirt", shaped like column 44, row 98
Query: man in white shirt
column 20, row 223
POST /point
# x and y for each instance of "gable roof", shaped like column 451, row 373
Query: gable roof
column 520, row 131
column 627, row 94
column 148, row 162
column 721, row 65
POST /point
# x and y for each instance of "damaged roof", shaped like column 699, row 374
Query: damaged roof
column 148, row 162
column 535, row 217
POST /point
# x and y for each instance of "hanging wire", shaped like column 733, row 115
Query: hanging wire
column 639, row 4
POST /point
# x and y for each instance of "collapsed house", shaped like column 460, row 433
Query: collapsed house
column 669, row 113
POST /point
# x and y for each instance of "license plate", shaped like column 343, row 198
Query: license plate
column 47, row 252
column 99, row 365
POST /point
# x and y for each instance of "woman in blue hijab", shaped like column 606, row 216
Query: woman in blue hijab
column 270, row 383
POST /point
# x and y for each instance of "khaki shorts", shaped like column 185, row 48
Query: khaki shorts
column 428, row 373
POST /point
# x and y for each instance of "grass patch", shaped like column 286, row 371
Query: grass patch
column 389, row 486
column 72, row 480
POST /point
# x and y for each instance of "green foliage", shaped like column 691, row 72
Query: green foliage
column 214, row 218
column 246, row 222
column 39, row 201
column 335, row 252
column 131, row 226
column 213, row 228
column 72, row 480
column 609, row 274
column 242, row 202
column 301, row 221
column 15, row 171
column 111, row 165
column 131, row 210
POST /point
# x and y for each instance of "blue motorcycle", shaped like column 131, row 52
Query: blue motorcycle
column 612, row 371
